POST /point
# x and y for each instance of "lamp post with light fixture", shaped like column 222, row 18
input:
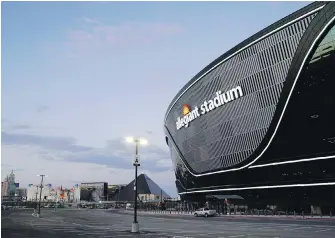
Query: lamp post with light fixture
column 41, row 186
column 136, row 163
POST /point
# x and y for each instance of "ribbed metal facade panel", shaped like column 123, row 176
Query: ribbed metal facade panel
column 228, row 135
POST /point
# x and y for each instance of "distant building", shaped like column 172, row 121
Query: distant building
column 114, row 189
column 21, row 192
column 34, row 191
column 4, row 188
column 53, row 194
column 147, row 190
column 93, row 192
column 8, row 187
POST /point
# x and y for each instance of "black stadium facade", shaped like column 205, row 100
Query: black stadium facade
column 259, row 121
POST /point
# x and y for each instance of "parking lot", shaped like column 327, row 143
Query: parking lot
column 105, row 223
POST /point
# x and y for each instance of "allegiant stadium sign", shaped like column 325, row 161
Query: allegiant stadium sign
column 207, row 106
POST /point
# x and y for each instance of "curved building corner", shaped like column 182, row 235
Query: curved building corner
column 258, row 122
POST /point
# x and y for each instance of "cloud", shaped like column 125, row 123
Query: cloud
column 4, row 121
column 53, row 143
column 20, row 127
column 94, row 36
column 164, row 164
column 42, row 108
column 91, row 21
column 6, row 165
column 115, row 155
column 148, row 132
column 8, row 125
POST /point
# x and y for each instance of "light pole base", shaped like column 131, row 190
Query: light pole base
column 135, row 227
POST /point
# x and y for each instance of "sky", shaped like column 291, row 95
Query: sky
column 78, row 77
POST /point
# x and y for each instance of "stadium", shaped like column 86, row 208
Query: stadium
column 258, row 122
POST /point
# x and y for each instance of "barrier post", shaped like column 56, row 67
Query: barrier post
column 330, row 213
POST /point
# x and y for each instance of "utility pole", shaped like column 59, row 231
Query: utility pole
column 41, row 186
column 36, row 193
column 56, row 200
column 36, row 200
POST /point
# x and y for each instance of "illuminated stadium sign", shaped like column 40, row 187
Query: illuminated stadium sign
column 207, row 106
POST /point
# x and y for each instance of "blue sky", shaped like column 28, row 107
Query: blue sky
column 79, row 76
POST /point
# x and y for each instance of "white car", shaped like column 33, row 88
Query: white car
column 204, row 212
column 129, row 206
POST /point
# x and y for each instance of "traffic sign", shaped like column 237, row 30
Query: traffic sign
column 136, row 160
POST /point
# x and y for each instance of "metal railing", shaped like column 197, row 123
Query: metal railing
column 245, row 212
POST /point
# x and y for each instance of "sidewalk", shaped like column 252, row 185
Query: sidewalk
column 183, row 214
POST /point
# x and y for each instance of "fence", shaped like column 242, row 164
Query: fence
column 185, row 208
column 251, row 212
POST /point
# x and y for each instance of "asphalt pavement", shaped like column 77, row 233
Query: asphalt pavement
column 105, row 223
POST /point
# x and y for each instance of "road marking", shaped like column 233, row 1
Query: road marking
column 94, row 233
column 60, row 228
column 74, row 231
column 324, row 230
column 271, row 227
column 178, row 231
column 124, row 235
column 298, row 228
column 266, row 227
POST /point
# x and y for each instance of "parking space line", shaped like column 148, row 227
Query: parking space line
column 73, row 231
column 324, row 230
column 297, row 228
column 124, row 235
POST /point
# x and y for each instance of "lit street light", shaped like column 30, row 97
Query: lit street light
column 136, row 140
column 41, row 186
column 136, row 163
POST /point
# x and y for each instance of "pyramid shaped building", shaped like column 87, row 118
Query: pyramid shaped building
column 147, row 190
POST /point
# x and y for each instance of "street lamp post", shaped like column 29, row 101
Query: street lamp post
column 136, row 163
column 36, row 196
column 41, row 186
